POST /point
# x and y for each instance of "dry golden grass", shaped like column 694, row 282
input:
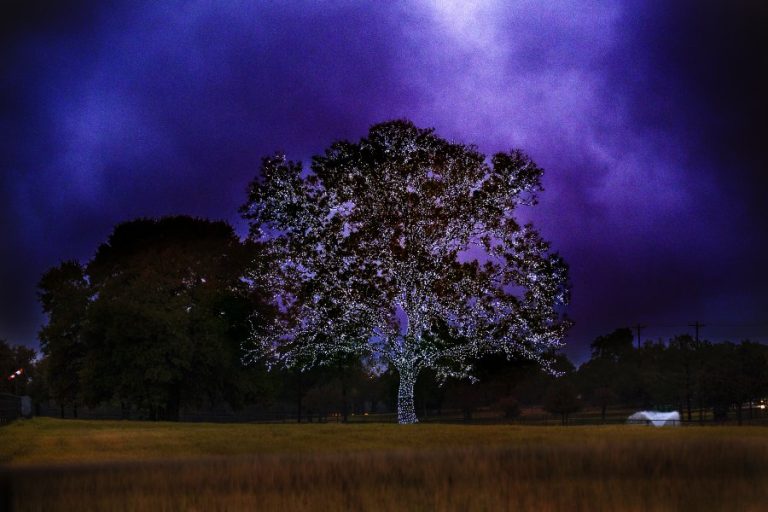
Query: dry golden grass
column 67, row 465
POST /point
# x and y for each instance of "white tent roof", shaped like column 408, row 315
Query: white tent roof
column 655, row 418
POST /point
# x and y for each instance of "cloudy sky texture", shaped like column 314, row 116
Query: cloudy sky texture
column 647, row 116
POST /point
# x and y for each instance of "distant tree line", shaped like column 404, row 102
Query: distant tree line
column 143, row 327
column 704, row 381
column 681, row 374
column 156, row 320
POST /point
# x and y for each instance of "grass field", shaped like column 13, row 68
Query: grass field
column 48, row 464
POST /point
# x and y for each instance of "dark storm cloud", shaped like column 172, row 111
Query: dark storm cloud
column 693, row 85
column 643, row 114
column 160, row 109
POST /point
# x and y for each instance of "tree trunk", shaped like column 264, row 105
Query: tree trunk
column 406, row 411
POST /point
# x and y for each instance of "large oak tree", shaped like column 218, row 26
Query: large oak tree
column 404, row 248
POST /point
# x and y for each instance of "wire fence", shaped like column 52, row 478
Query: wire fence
column 531, row 416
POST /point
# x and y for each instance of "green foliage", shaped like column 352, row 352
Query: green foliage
column 154, row 321
column 733, row 375
column 64, row 294
column 680, row 374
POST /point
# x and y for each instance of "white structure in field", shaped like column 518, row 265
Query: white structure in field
column 655, row 418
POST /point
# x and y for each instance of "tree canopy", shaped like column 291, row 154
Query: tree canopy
column 154, row 321
column 64, row 294
column 404, row 248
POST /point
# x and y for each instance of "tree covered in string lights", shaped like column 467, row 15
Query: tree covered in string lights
column 403, row 248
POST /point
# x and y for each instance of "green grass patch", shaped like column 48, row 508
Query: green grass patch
column 45, row 441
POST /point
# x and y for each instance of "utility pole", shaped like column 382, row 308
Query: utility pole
column 697, row 325
column 638, row 328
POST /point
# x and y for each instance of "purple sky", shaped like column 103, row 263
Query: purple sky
column 649, row 118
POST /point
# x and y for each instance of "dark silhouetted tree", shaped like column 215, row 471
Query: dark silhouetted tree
column 753, row 362
column 64, row 294
column 720, row 380
column 562, row 399
column 614, row 365
column 603, row 397
column 170, row 310
column 616, row 346
column 680, row 365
